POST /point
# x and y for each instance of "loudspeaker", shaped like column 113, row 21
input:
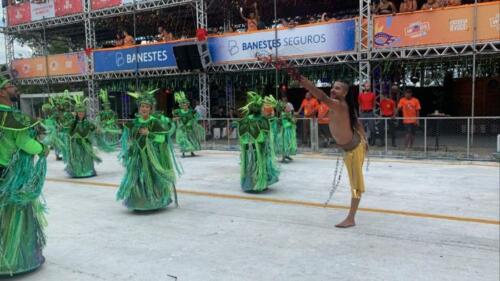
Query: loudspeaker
column 192, row 56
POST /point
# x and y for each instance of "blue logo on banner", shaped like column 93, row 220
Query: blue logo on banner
column 139, row 57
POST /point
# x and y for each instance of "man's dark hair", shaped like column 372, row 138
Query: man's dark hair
column 351, row 103
column 410, row 91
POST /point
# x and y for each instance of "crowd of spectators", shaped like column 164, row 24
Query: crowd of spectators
column 381, row 7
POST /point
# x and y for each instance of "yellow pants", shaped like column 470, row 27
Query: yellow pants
column 353, row 161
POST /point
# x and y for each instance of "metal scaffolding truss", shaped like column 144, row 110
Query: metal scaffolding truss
column 140, row 74
column 298, row 62
column 47, row 23
column 51, row 80
column 139, row 6
column 204, row 90
column 364, row 38
column 201, row 14
column 435, row 51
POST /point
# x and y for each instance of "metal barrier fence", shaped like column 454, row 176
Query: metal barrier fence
column 460, row 138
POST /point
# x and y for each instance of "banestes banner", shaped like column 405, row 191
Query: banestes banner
column 301, row 41
column 137, row 57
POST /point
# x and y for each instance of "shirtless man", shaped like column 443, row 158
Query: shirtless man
column 431, row 4
column 348, row 133
column 252, row 20
column 408, row 6
column 385, row 7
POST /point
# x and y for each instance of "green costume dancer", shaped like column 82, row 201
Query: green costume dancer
column 21, row 180
column 50, row 125
column 269, row 112
column 108, row 132
column 79, row 154
column 258, row 164
column 189, row 133
column 148, row 157
column 288, row 132
column 64, row 119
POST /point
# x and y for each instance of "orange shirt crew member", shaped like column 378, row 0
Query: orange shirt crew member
column 411, row 111
column 309, row 106
column 387, row 107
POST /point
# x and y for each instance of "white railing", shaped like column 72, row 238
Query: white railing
column 462, row 138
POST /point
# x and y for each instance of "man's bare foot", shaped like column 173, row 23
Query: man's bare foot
column 346, row 223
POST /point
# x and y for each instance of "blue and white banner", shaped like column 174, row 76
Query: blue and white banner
column 138, row 57
column 301, row 41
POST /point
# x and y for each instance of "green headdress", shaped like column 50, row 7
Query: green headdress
column 48, row 106
column 80, row 103
column 254, row 103
column 3, row 81
column 103, row 94
column 147, row 97
column 180, row 98
column 63, row 102
column 270, row 101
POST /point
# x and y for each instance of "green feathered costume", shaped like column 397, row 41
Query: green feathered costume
column 108, row 132
column 271, row 105
column 258, row 164
column 79, row 154
column 63, row 105
column 149, row 181
column 50, row 126
column 22, row 217
column 189, row 133
column 287, row 133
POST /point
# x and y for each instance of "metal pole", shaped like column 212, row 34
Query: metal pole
column 474, row 38
column 46, row 54
column 276, row 48
column 385, row 123
column 425, row 136
column 136, row 51
column 468, row 137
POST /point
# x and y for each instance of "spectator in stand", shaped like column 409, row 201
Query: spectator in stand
column 118, row 40
column 253, row 18
column 326, row 18
column 454, row 3
column 442, row 3
column 388, row 110
column 323, row 120
column 312, row 19
column 411, row 112
column 385, row 7
column 164, row 35
column 291, row 23
column 431, row 4
column 366, row 100
column 408, row 6
column 309, row 107
column 127, row 39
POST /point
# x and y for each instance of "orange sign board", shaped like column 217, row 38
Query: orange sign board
column 64, row 64
column 440, row 26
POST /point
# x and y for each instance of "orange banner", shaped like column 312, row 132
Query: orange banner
column 437, row 27
column 64, row 64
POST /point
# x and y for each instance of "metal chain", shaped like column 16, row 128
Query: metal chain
column 337, row 177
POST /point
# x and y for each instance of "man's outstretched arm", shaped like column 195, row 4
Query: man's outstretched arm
column 318, row 93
